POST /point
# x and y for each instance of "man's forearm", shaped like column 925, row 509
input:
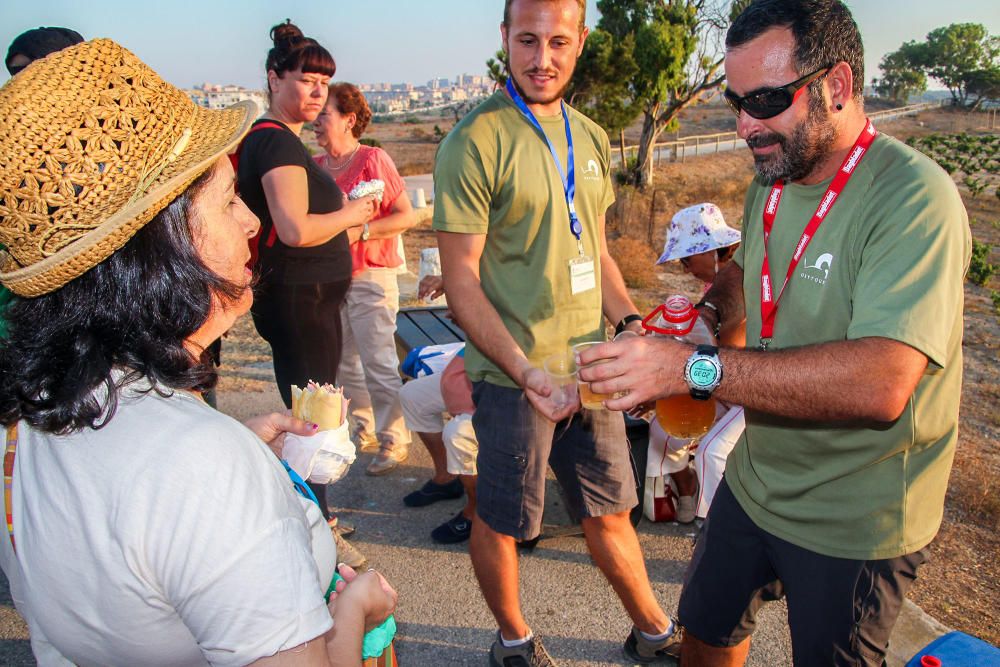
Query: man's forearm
column 726, row 294
column 825, row 382
column 615, row 300
column 483, row 326
column 864, row 379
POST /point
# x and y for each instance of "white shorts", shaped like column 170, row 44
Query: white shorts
column 461, row 445
column 423, row 406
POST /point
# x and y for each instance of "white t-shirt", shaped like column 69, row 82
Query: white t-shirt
column 171, row 536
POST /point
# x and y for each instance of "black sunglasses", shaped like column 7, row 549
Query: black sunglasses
column 769, row 102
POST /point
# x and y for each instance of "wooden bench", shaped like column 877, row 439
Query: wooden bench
column 429, row 325
column 425, row 325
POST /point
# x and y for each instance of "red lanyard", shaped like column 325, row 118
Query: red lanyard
column 768, row 301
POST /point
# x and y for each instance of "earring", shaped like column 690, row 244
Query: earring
column 840, row 107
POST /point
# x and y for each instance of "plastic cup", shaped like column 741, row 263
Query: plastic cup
column 625, row 334
column 561, row 369
column 589, row 398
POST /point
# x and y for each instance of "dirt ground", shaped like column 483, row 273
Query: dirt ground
column 959, row 585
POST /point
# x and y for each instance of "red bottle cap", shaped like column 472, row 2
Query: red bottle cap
column 678, row 310
column 677, row 313
column 929, row 661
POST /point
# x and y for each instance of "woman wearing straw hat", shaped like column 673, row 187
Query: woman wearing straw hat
column 144, row 527
column 701, row 240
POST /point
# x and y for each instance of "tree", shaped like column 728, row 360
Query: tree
column 960, row 53
column 671, row 53
column 902, row 75
column 600, row 86
column 984, row 84
column 496, row 69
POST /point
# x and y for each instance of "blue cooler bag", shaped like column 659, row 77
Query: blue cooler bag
column 957, row 649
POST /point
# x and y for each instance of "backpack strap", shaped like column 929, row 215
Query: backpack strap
column 234, row 158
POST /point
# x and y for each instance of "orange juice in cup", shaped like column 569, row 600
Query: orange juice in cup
column 589, row 398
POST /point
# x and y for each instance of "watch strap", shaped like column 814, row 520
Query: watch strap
column 625, row 321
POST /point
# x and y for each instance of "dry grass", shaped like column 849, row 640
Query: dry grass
column 636, row 261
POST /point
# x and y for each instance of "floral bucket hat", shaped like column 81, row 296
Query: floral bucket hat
column 697, row 229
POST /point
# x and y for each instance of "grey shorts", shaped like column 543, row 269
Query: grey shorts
column 589, row 454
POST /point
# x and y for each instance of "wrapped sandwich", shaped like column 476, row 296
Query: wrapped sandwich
column 321, row 404
column 322, row 458
column 365, row 188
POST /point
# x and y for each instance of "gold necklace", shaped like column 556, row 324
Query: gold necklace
column 346, row 162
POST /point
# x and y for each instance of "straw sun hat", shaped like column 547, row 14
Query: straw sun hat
column 93, row 144
column 697, row 229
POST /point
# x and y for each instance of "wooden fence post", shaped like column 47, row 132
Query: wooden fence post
column 621, row 145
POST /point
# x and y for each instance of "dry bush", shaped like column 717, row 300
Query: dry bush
column 636, row 260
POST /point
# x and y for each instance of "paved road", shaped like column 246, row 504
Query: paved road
column 442, row 618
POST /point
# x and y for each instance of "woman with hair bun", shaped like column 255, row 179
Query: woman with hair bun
column 304, row 260
column 369, row 372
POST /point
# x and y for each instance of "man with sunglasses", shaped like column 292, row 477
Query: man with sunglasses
column 850, row 277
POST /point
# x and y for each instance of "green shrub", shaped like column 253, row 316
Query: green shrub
column 980, row 270
column 995, row 295
column 371, row 141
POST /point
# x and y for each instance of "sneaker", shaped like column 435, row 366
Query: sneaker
column 528, row 654
column 453, row 531
column 685, row 509
column 686, row 506
column 365, row 442
column 341, row 527
column 641, row 650
column 432, row 492
column 347, row 553
column 388, row 457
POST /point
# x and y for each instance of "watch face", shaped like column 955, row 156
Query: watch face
column 703, row 373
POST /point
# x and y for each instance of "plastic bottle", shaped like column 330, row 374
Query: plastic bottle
column 681, row 415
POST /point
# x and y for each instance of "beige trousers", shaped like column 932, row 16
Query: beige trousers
column 369, row 371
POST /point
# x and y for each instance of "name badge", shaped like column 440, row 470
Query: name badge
column 582, row 275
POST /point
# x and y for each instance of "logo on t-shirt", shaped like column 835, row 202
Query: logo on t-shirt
column 592, row 172
column 819, row 271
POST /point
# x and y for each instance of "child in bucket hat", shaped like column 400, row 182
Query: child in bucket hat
column 171, row 528
column 697, row 230
column 700, row 239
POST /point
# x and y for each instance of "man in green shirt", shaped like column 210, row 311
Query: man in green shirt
column 850, row 277
column 521, row 186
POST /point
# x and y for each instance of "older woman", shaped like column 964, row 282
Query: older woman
column 173, row 535
column 369, row 372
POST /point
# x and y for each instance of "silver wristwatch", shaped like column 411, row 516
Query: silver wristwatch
column 703, row 372
column 365, row 232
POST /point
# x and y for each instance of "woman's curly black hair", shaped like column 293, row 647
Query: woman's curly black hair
column 132, row 313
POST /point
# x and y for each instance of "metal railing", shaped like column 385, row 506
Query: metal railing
column 678, row 149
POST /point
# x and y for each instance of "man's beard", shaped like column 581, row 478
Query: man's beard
column 537, row 100
column 801, row 152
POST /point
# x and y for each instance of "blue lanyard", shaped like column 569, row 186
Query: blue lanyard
column 568, row 175
column 300, row 484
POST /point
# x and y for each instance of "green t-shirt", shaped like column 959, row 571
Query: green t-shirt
column 888, row 260
column 494, row 175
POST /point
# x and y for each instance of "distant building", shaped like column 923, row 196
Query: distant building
column 213, row 96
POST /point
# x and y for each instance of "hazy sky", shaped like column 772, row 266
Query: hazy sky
column 224, row 41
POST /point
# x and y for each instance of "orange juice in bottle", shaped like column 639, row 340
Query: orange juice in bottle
column 682, row 415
